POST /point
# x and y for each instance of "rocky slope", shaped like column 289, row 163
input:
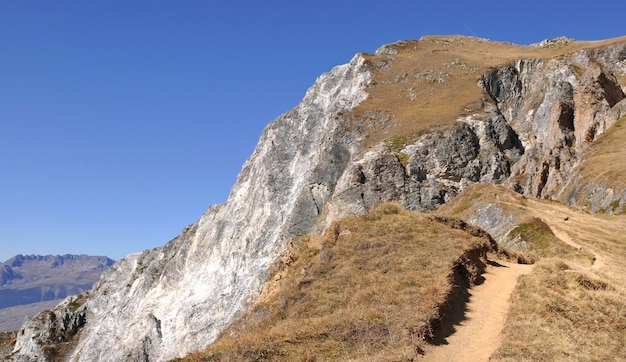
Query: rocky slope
column 415, row 123
column 540, row 117
column 27, row 280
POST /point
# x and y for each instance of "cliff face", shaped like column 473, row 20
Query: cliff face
column 527, row 128
column 558, row 107
column 169, row 301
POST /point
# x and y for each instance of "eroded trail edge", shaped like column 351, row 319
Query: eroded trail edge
column 477, row 336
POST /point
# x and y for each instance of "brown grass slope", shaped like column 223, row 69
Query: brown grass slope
column 374, row 287
column 431, row 82
column 562, row 313
column 531, row 228
column 606, row 159
column 572, row 307
column 604, row 163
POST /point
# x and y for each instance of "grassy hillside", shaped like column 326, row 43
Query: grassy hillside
column 596, row 235
column 373, row 286
column 603, row 164
column 561, row 312
column 376, row 287
column 429, row 83
column 572, row 306
column 528, row 226
column 607, row 157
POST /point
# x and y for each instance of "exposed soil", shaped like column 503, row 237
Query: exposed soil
column 476, row 333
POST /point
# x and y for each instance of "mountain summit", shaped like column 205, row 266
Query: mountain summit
column 418, row 123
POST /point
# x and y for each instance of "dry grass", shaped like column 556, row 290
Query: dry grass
column 560, row 314
column 605, row 161
column 598, row 233
column 369, row 290
column 595, row 233
column 7, row 342
column 571, row 307
column 544, row 243
column 430, row 82
column 530, row 227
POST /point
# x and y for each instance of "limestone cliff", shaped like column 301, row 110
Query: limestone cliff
column 366, row 132
column 166, row 302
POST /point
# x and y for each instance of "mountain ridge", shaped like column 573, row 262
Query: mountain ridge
column 26, row 281
column 363, row 135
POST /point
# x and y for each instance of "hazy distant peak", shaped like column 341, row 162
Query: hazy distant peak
column 54, row 261
column 7, row 273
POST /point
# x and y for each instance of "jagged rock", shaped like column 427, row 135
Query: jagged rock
column 42, row 338
column 556, row 111
column 499, row 223
column 548, row 43
column 430, row 171
column 597, row 93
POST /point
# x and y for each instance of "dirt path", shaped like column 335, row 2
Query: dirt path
column 478, row 335
column 597, row 258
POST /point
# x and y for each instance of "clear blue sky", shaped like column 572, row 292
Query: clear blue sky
column 122, row 121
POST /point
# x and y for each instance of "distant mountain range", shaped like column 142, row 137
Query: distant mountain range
column 31, row 283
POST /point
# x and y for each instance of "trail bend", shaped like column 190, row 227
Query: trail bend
column 598, row 260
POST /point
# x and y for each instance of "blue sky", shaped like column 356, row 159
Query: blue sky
column 121, row 122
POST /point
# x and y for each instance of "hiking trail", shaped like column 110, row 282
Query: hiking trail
column 598, row 260
column 477, row 335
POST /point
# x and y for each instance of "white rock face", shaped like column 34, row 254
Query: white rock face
column 167, row 302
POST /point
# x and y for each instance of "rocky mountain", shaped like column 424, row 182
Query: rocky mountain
column 33, row 279
column 416, row 123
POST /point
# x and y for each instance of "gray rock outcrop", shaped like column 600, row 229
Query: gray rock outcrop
column 431, row 171
column 557, row 107
column 541, row 118
column 44, row 337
